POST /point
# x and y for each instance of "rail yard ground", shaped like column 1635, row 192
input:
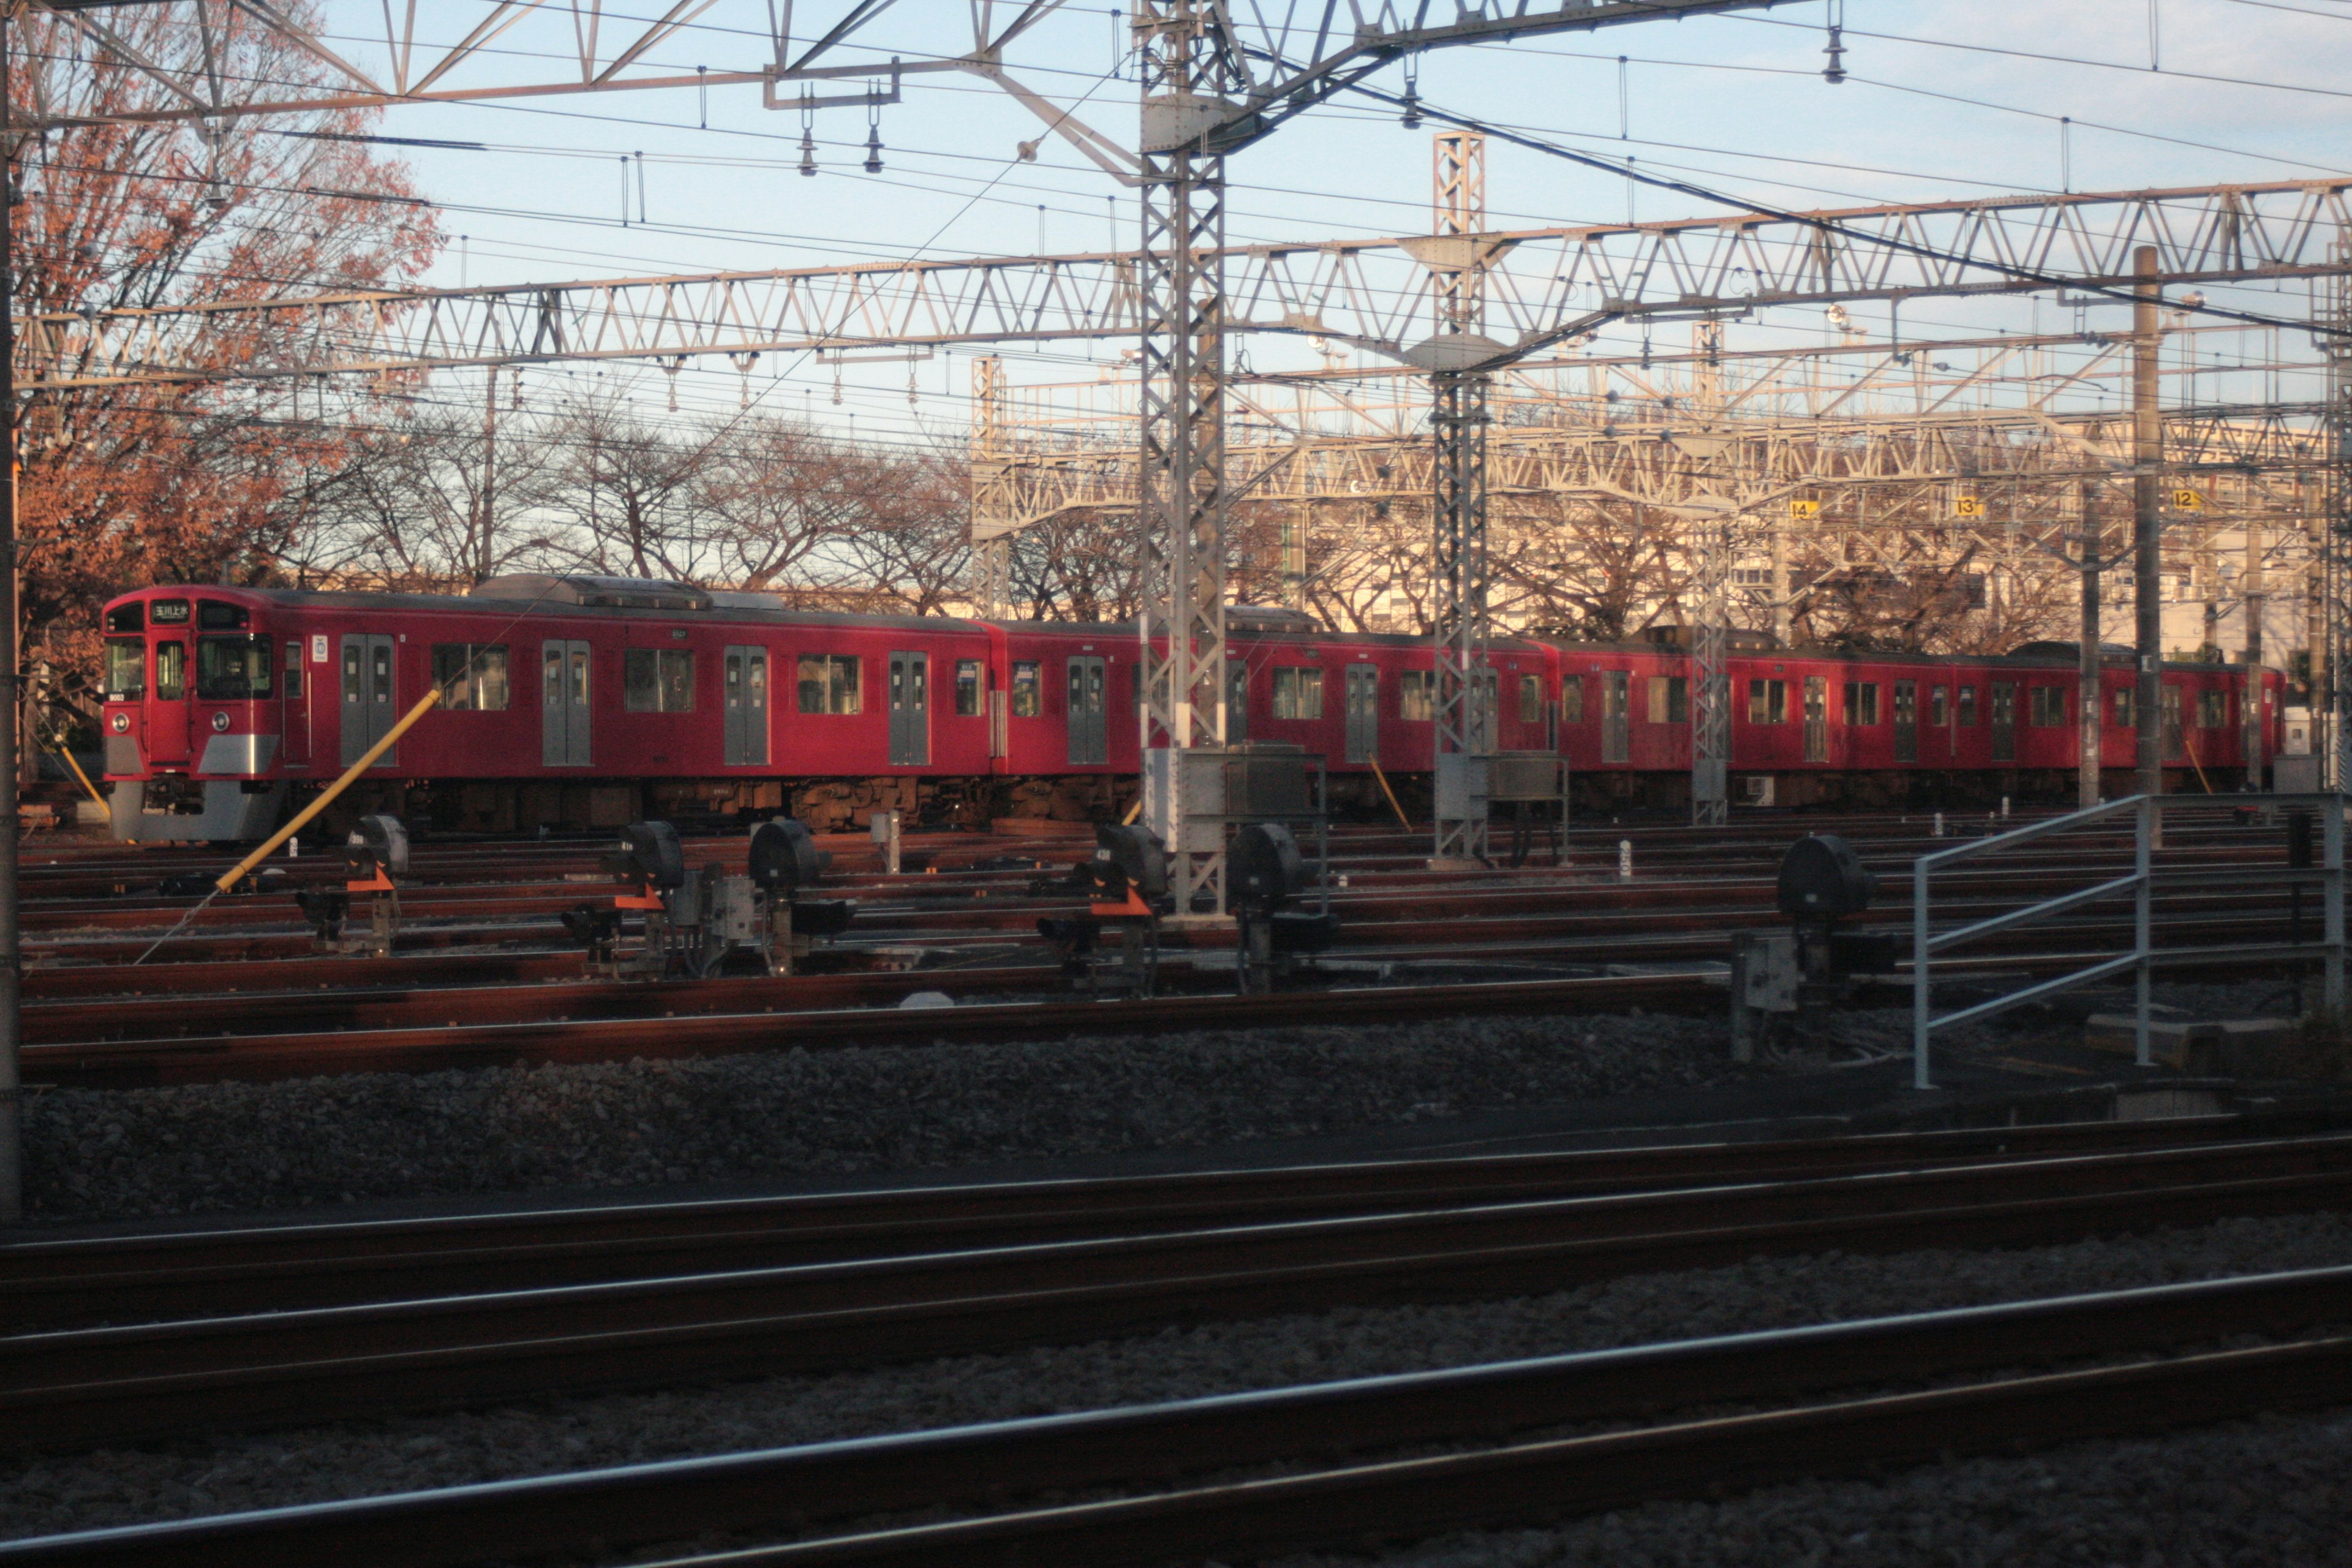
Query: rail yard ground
column 2068, row 1189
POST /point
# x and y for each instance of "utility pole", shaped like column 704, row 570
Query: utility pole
column 484, row 562
column 2249, row 721
column 2148, row 524
column 12, row 1093
column 2088, row 724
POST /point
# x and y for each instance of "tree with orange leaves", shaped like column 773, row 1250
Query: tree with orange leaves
column 196, row 483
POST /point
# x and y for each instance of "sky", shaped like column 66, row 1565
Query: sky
column 1942, row 100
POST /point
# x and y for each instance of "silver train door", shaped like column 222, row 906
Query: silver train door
column 1906, row 720
column 563, row 693
column 911, row 710
column 1363, row 713
column 2004, row 721
column 747, row 708
column 371, row 694
column 1817, row 718
column 1090, row 725
column 1616, row 720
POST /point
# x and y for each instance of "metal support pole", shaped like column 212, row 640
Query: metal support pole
column 2144, row 833
column 2332, row 857
column 1711, row 679
column 2250, row 718
column 12, row 1093
column 1921, row 996
column 2088, row 726
column 992, row 494
column 2331, row 671
column 2148, row 527
column 1181, row 480
column 1465, row 725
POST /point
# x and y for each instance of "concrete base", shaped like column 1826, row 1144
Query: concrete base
column 230, row 815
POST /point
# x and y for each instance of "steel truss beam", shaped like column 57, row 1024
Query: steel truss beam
column 1538, row 287
column 1274, row 64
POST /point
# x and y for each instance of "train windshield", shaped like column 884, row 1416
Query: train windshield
column 126, row 668
column 230, row 670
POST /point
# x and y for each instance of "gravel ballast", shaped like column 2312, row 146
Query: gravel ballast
column 54, row 1494
column 102, row 1154
column 2275, row 1491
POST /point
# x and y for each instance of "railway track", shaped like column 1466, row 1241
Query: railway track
column 481, row 983
column 140, row 1380
column 1515, row 1440
column 61, row 1283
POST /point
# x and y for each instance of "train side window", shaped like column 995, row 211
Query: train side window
column 471, row 677
column 2126, row 709
column 656, row 679
column 1669, row 700
column 2212, row 710
column 2046, row 708
column 1939, row 706
column 828, row 683
column 171, row 673
column 294, row 669
column 1861, row 702
column 1967, row 707
column 1571, row 699
column 129, row 617
column 1531, row 700
column 126, row 669
column 967, row 687
column 1768, row 701
column 1417, row 695
column 1297, row 693
column 1028, row 690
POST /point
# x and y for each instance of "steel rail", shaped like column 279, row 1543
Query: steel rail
column 186, row 1274
column 1680, row 983
column 83, row 1387
column 986, row 1465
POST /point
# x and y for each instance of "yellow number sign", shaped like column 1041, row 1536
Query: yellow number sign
column 1805, row 509
column 1968, row 506
column 2188, row 500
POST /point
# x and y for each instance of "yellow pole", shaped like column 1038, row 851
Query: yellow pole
column 228, row 879
column 1402, row 820
column 67, row 752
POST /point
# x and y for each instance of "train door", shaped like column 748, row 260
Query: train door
column 911, row 710
column 294, row 692
column 1363, row 713
column 370, row 695
column 1817, row 718
column 1906, row 720
column 563, row 704
column 1616, row 731
column 2170, row 708
column 1238, row 684
column 1090, row 725
column 746, row 717
column 2004, row 721
column 167, row 711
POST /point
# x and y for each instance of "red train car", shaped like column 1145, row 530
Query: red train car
column 588, row 701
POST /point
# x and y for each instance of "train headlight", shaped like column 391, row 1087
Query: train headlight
column 120, row 723
column 220, row 723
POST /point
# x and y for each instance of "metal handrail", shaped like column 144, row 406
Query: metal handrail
column 2147, row 812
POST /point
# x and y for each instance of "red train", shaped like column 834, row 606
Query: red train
column 592, row 701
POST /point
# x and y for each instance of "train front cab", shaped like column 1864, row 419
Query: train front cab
column 192, row 717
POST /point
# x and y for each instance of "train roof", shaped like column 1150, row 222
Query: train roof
column 547, row 594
